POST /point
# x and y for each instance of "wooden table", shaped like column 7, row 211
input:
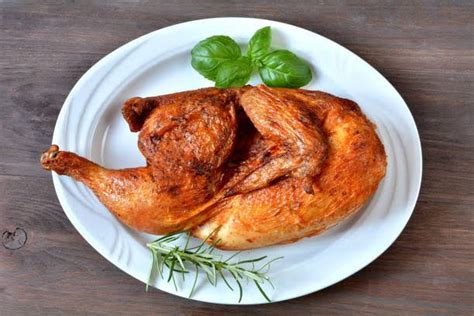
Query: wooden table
column 425, row 50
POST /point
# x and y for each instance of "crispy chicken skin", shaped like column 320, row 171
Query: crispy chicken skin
column 257, row 166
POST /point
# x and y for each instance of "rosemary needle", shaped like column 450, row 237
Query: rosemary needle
column 200, row 258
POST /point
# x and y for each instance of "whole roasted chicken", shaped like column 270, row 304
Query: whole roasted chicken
column 255, row 166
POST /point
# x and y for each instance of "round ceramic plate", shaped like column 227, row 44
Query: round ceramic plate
column 90, row 124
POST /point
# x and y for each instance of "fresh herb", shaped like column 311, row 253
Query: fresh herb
column 218, row 58
column 210, row 53
column 201, row 258
column 234, row 73
column 259, row 44
column 282, row 68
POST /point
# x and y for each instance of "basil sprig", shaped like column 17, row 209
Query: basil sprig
column 234, row 73
column 259, row 44
column 219, row 58
column 212, row 52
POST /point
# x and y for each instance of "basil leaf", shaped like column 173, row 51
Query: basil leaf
column 208, row 54
column 259, row 44
column 234, row 73
column 282, row 68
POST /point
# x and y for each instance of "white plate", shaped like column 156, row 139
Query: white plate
column 90, row 124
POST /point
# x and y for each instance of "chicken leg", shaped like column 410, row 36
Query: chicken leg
column 186, row 138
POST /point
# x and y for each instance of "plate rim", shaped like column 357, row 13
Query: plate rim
column 94, row 68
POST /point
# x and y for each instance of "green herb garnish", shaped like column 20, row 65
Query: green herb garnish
column 210, row 53
column 259, row 44
column 201, row 258
column 234, row 73
column 284, row 69
column 219, row 58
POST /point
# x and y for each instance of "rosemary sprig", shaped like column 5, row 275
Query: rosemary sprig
column 201, row 258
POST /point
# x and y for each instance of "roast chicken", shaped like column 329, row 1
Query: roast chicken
column 251, row 166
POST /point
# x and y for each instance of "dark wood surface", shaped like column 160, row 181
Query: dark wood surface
column 425, row 49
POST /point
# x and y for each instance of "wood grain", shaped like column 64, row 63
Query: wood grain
column 425, row 49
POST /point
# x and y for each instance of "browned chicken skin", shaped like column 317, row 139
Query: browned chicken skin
column 256, row 165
